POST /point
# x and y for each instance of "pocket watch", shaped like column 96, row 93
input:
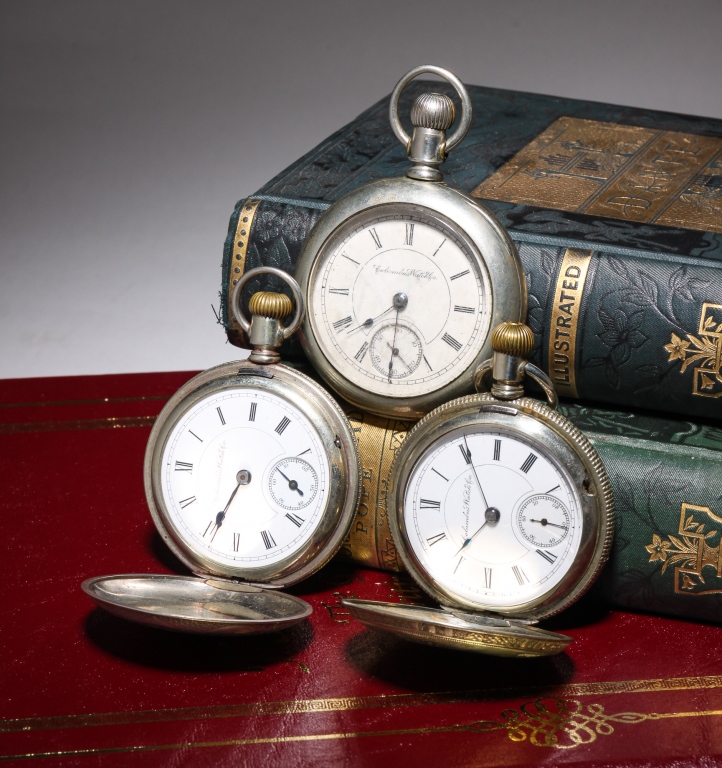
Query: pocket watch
column 404, row 278
column 502, row 512
column 252, row 476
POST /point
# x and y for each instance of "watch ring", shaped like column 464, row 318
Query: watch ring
column 465, row 120
column 297, row 319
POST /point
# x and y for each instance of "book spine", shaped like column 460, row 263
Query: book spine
column 624, row 327
column 666, row 557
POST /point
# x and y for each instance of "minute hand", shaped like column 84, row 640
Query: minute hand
column 473, row 468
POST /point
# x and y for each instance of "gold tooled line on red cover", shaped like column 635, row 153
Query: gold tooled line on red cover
column 306, row 706
column 96, row 401
column 590, row 724
column 112, row 422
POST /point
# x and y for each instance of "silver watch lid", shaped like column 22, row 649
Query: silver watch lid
column 197, row 605
column 452, row 628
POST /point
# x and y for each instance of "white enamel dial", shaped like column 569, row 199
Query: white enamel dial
column 244, row 477
column 492, row 517
column 400, row 303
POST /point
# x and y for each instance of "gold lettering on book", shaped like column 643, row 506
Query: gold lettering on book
column 619, row 171
column 702, row 352
column 695, row 551
column 565, row 320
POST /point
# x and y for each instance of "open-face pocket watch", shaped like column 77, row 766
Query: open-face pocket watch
column 404, row 278
column 252, row 476
column 501, row 510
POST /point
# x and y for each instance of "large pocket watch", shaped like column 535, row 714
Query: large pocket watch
column 404, row 278
column 252, row 476
column 502, row 512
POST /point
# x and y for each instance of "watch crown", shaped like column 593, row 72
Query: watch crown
column 267, row 304
column 514, row 339
column 433, row 110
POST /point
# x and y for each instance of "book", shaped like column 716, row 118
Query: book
column 84, row 688
column 666, row 475
column 616, row 213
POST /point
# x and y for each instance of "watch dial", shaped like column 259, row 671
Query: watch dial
column 491, row 517
column 400, row 302
column 245, row 478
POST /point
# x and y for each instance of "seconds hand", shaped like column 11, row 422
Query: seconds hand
column 391, row 361
column 292, row 484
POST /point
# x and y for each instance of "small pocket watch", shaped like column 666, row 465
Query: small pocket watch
column 252, row 476
column 404, row 278
column 500, row 509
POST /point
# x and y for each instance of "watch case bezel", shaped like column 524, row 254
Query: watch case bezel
column 474, row 224
column 338, row 442
column 536, row 421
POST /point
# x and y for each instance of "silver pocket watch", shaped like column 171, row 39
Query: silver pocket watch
column 404, row 278
column 501, row 511
column 252, row 477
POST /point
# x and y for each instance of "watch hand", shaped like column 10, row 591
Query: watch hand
column 391, row 361
column 483, row 497
column 395, row 352
column 371, row 320
column 242, row 478
column 292, row 484
column 544, row 521
column 491, row 515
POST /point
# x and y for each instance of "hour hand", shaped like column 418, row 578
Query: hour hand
column 371, row 320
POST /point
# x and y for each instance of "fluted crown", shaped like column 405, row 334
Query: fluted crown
column 512, row 339
column 267, row 304
column 433, row 110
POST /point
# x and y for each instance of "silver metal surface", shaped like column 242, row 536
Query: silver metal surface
column 186, row 604
column 560, row 442
column 465, row 121
column 297, row 318
column 482, row 235
column 448, row 629
column 507, row 374
column 339, row 444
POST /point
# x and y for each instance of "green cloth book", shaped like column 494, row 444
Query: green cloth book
column 666, row 475
column 616, row 212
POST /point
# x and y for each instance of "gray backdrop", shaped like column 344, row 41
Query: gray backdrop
column 129, row 130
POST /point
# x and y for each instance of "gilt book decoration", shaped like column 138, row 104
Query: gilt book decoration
column 616, row 212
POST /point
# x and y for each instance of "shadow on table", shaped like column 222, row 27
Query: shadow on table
column 158, row 648
column 418, row 667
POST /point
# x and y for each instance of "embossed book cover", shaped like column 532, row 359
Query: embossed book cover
column 616, row 212
column 84, row 688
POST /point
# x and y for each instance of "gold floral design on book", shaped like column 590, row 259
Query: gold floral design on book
column 702, row 352
column 695, row 551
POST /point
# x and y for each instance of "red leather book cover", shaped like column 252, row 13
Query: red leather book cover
column 83, row 688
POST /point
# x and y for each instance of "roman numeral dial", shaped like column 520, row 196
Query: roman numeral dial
column 480, row 520
column 402, row 304
column 246, row 476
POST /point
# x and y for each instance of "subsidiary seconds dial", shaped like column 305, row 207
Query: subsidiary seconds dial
column 400, row 301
